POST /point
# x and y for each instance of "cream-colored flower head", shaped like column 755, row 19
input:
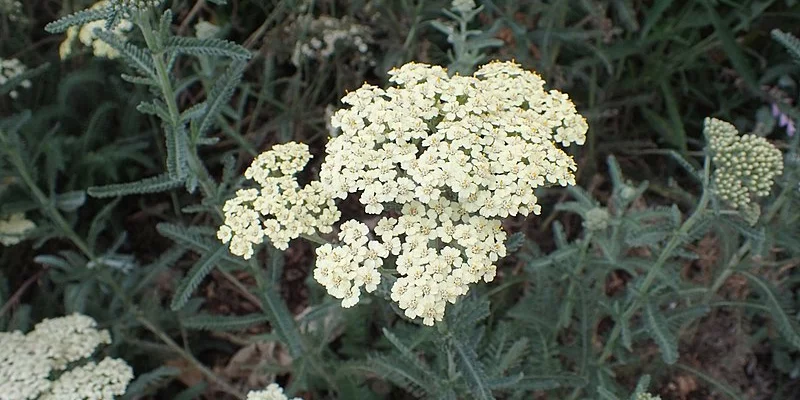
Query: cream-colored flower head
column 28, row 361
column 85, row 34
column 272, row 392
column 14, row 228
column 279, row 209
column 454, row 155
column 745, row 166
column 441, row 160
column 92, row 381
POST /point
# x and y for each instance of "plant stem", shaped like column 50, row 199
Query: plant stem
column 225, row 386
column 655, row 269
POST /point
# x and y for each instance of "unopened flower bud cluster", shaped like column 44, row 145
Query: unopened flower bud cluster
column 745, row 166
column 85, row 34
column 206, row 30
column 272, row 392
column 9, row 69
column 27, row 363
column 279, row 209
column 441, row 160
column 13, row 229
column 324, row 34
column 128, row 7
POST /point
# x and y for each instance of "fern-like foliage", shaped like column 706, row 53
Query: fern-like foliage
column 207, row 47
column 78, row 18
column 160, row 183
column 789, row 41
column 210, row 322
column 196, row 274
column 218, row 97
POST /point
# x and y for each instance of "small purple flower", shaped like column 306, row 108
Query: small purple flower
column 783, row 120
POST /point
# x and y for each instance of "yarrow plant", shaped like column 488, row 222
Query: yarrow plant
column 441, row 160
column 29, row 362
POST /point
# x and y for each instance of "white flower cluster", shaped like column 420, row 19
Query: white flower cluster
column 463, row 6
column 10, row 69
column 457, row 154
column 13, row 229
column 325, row 33
column 85, row 34
column 272, row 392
column 443, row 160
column 745, row 166
column 27, row 361
column 280, row 210
column 206, row 30
column 647, row 396
column 12, row 9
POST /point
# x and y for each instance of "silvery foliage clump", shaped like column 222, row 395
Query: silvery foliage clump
column 532, row 331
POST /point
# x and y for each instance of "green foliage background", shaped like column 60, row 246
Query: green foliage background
column 125, row 169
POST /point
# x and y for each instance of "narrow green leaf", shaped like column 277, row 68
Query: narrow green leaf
column 653, row 16
column 195, row 275
column 210, row 322
column 731, row 48
column 160, row 183
column 677, row 136
column 207, row 47
column 147, row 382
column 658, row 329
column 177, row 149
column 79, row 18
column 471, row 370
column 778, row 308
column 70, row 201
column 218, row 97
column 282, row 321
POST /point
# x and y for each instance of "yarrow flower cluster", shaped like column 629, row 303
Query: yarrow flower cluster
column 745, row 166
column 272, row 392
column 14, row 228
column 325, row 33
column 206, row 30
column 442, row 160
column 10, row 69
column 647, row 396
column 280, row 209
column 12, row 9
column 463, row 6
column 85, row 34
column 27, row 362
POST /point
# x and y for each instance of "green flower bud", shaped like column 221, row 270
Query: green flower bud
column 745, row 166
column 597, row 219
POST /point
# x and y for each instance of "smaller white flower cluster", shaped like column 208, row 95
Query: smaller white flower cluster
column 325, row 34
column 463, row 6
column 745, row 166
column 272, row 392
column 12, row 9
column 13, row 229
column 27, row 361
column 10, row 69
column 280, row 209
column 647, row 396
column 85, row 34
column 206, row 30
